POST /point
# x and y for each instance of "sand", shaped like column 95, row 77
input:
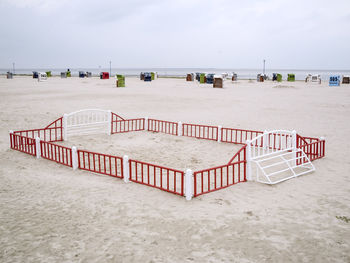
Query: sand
column 50, row 213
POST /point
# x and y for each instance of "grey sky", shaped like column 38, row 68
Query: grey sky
column 193, row 33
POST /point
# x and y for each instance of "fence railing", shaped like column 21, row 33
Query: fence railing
column 100, row 163
column 200, row 131
column 163, row 126
column 240, row 155
column 23, row 144
column 56, row 153
column 51, row 133
column 163, row 178
column 238, row 136
column 216, row 178
column 313, row 151
column 129, row 125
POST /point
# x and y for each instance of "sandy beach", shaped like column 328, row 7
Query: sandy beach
column 50, row 213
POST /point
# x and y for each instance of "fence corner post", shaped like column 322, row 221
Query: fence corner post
column 126, row 172
column 109, row 127
column 65, row 127
column 219, row 133
column 249, row 160
column 74, row 158
column 37, row 146
column 294, row 147
column 179, row 128
column 188, row 184
column 11, row 139
column 146, row 124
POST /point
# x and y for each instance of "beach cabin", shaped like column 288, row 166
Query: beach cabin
column 291, row 77
column 260, row 78
column 120, row 81
column 35, row 74
column 334, row 81
column 88, row 74
column 202, row 78
column 48, row 74
column 189, row 77
column 147, row 76
column 81, row 74
column 346, row 79
column 152, row 75
column 316, row 78
column 42, row 76
column 210, row 78
column 234, row 76
column 104, row 75
column 198, row 76
column 9, row 75
column 142, row 76
column 218, row 81
column 63, row 75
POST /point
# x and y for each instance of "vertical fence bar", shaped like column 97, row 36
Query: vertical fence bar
column 179, row 129
column 65, row 121
column 38, row 148
column 75, row 158
column 249, row 160
column 189, row 185
column 126, row 172
column 219, row 133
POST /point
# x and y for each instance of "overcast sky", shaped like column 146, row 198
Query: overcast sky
column 298, row 34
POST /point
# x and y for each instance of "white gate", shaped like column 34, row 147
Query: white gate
column 275, row 155
column 90, row 121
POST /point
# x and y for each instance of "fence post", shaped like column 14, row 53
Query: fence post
column 249, row 160
column 146, row 124
column 219, row 133
column 65, row 127
column 179, row 129
column 320, row 153
column 265, row 141
column 38, row 149
column 109, row 127
column 126, row 172
column 74, row 158
column 189, row 185
column 294, row 147
column 11, row 139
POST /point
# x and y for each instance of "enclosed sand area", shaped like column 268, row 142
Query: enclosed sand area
column 51, row 213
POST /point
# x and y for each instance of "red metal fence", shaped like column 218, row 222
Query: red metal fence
column 216, row 178
column 313, row 151
column 121, row 126
column 163, row 126
column 100, row 163
column 23, row 144
column 163, row 178
column 238, row 136
column 56, row 153
column 200, row 131
column 51, row 133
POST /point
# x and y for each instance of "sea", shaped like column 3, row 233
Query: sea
column 300, row 74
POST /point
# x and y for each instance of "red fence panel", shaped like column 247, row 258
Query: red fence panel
column 313, row 151
column 100, row 163
column 51, row 133
column 216, row 178
column 240, row 155
column 23, row 144
column 238, row 136
column 163, row 178
column 200, row 131
column 163, row 126
column 128, row 125
column 56, row 153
